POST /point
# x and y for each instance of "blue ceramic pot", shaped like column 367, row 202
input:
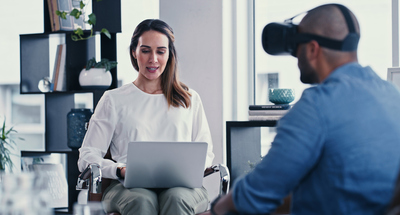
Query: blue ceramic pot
column 76, row 126
column 281, row 96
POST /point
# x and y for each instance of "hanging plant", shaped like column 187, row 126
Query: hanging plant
column 76, row 13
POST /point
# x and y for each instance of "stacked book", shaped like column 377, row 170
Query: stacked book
column 268, row 112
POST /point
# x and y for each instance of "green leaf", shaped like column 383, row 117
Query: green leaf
column 63, row 14
column 104, row 63
column 90, row 63
column 78, row 32
column 6, row 143
column 92, row 19
column 75, row 13
column 105, row 32
column 81, row 5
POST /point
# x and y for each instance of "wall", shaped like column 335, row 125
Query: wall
column 198, row 32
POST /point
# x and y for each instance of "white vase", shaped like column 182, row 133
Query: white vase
column 95, row 79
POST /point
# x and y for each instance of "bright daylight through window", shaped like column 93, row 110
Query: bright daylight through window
column 282, row 72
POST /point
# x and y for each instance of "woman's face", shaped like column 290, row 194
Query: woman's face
column 152, row 54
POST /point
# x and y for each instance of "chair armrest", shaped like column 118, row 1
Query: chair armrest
column 90, row 179
column 224, row 177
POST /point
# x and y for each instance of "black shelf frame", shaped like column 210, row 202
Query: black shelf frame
column 243, row 144
column 34, row 64
column 71, row 167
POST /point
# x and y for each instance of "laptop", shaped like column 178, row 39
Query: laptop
column 165, row 164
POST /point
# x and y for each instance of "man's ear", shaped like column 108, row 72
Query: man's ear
column 313, row 49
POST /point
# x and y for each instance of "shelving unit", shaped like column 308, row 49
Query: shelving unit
column 243, row 144
column 34, row 62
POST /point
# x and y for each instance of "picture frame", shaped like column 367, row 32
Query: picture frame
column 393, row 75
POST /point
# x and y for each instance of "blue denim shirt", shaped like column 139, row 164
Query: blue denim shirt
column 337, row 150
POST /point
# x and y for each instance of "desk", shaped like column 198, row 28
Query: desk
column 243, row 145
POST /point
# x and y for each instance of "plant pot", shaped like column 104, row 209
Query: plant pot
column 95, row 79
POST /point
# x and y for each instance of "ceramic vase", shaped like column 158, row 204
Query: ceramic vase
column 95, row 79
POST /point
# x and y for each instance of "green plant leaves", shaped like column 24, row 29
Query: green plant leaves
column 81, row 5
column 105, row 32
column 104, row 63
column 62, row 14
column 78, row 32
column 75, row 13
column 92, row 19
column 90, row 63
column 6, row 142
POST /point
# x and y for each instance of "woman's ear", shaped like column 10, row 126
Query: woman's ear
column 133, row 54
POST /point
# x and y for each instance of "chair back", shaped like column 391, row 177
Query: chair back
column 394, row 206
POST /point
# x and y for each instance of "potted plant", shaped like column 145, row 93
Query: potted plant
column 76, row 13
column 6, row 143
column 96, row 75
column 103, row 63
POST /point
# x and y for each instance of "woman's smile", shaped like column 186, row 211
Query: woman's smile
column 152, row 69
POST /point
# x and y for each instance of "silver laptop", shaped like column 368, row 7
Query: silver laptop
column 165, row 164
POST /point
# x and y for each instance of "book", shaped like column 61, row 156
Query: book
column 270, row 107
column 265, row 118
column 61, row 79
column 59, row 74
column 267, row 112
column 56, row 67
column 52, row 13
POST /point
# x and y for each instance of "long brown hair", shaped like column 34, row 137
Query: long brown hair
column 176, row 92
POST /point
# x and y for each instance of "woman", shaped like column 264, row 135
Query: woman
column 155, row 107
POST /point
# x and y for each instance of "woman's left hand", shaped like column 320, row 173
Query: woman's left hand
column 205, row 213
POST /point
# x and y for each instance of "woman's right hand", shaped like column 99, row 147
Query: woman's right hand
column 123, row 172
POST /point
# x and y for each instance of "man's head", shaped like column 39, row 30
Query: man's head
column 316, row 62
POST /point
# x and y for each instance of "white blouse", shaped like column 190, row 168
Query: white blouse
column 128, row 114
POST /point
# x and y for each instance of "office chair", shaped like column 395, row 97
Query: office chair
column 394, row 206
column 91, row 180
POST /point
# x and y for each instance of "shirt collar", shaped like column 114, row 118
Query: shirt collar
column 348, row 69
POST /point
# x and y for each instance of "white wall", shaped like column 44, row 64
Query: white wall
column 132, row 13
column 197, row 27
column 14, row 24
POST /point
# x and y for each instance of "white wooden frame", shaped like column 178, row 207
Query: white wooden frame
column 395, row 33
column 393, row 75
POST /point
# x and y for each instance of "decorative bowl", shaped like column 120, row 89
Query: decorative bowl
column 281, row 96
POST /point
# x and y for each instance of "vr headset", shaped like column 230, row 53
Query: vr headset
column 283, row 38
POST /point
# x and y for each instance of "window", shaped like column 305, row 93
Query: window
column 282, row 71
column 26, row 114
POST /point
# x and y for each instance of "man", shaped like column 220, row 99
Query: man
column 337, row 150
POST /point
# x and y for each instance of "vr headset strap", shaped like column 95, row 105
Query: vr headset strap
column 347, row 16
column 349, row 43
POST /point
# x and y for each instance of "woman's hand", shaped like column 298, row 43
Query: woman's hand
column 123, row 172
column 205, row 213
